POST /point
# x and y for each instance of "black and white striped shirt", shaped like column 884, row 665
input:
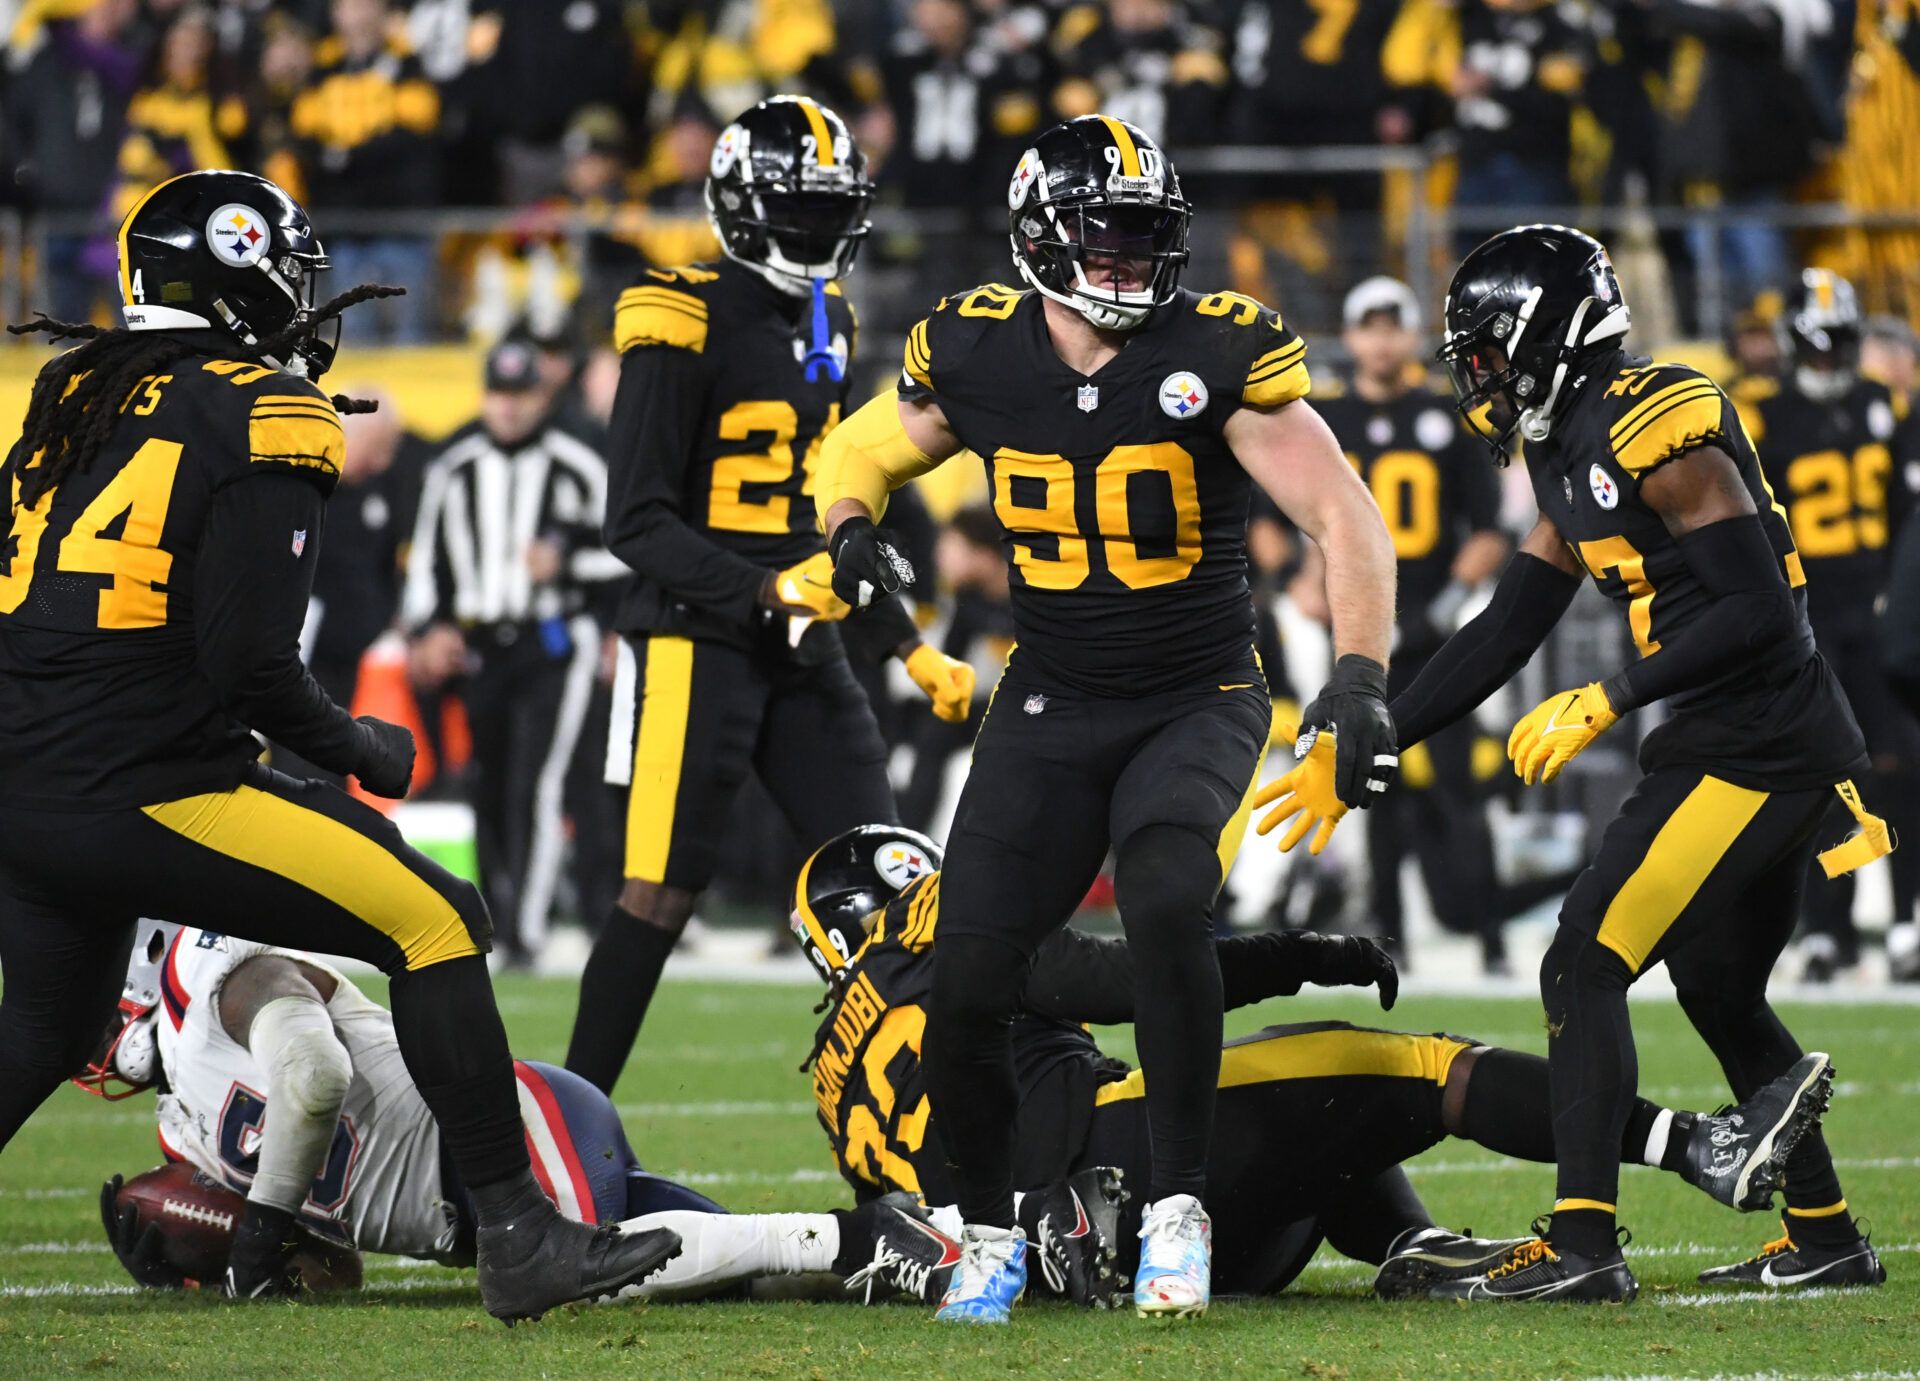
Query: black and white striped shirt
column 481, row 508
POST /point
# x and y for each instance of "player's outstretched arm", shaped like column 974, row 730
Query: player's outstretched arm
column 1292, row 455
column 276, row 1008
column 889, row 441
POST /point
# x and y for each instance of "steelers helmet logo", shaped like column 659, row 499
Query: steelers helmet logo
column 1605, row 492
column 729, row 149
column 1182, row 395
column 238, row 235
column 899, row 863
column 1025, row 173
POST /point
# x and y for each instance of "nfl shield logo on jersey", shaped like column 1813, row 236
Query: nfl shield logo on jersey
column 1088, row 397
column 299, row 541
column 1605, row 492
column 1035, row 704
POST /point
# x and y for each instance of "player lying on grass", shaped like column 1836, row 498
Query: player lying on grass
column 281, row 1080
column 1313, row 1119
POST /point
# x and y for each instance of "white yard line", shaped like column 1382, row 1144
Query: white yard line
column 736, row 1109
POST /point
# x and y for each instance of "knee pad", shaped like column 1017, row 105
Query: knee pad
column 306, row 1065
column 1166, row 873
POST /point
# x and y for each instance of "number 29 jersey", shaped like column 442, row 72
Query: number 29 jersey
column 1124, row 513
column 1779, row 721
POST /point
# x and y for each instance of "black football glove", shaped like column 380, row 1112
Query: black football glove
column 260, row 1261
column 140, row 1249
column 385, row 759
column 866, row 562
column 1353, row 704
column 1347, row 961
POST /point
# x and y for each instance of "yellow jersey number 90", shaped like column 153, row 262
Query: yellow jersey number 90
column 1034, row 497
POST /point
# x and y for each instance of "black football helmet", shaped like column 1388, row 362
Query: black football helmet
column 848, row 879
column 788, row 192
column 1098, row 190
column 1823, row 330
column 228, row 251
column 128, row 1057
column 1525, row 309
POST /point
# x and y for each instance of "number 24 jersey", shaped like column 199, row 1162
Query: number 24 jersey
column 1124, row 513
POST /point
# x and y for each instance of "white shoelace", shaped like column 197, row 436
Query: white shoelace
column 979, row 1259
column 1163, row 1229
column 912, row 1276
column 1055, row 1273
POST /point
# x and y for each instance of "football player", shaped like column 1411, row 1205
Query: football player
column 1836, row 447
column 1646, row 480
column 281, row 1080
column 1312, row 1122
column 168, row 493
column 730, row 374
column 1442, row 509
column 1123, row 421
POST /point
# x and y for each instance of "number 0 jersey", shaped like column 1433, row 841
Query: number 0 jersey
column 1780, row 722
column 103, row 701
column 1124, row 512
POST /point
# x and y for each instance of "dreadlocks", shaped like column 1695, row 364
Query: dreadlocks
column 65, row 428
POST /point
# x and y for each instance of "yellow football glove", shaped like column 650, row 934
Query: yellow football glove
column 1307, row 792
column 1554, row 731
column 947, row 683
column 808, row 585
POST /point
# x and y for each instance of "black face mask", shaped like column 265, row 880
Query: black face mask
column 1480, row 374
column 815, row 227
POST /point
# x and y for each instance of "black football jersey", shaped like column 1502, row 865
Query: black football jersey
column 1778, row 723
column 1124, row 513
column 1435, row 486
column 102, row 701
column 748, row 486
column 1835, row 468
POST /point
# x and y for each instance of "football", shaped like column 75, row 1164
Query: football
column 198, row 1215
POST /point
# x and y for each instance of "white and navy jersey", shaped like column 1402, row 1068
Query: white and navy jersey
column 381, row 1183
column 483, row 505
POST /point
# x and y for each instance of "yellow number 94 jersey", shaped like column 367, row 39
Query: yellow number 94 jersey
column 1124, row 512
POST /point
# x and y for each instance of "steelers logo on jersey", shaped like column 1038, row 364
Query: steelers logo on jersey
column 1183, row 395
column 899, row 863
column 237, row 235
column 1605, row 492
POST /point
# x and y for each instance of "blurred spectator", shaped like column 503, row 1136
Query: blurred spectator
column 724, row 55
column 540, row 62
column 364, row 129
column 66, row 103
column 1754, row 344
column 1151, row 62
column 1890, row 354
column 1522, row 63
column 505, row 561
column 174, row 124
column 286, row 63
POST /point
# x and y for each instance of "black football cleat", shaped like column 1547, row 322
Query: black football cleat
column 910, row 1255
column 1785, row 1265
column 537, row 1260
column 1739, row 1154
column 1074, row 1228
column 1423, row 1257
column 1533, row 1271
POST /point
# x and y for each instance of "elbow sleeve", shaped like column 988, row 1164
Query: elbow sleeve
column 867, row 457
column 308, row 1072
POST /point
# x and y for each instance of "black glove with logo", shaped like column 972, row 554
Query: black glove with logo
column 866, row 562
column 1353, row 704
column 384, row 762
column 140, row 1249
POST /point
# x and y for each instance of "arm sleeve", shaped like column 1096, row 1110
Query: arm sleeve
column 1484, row 655
column 1081, row 977
column 867, row 457
column 250, row 599
column 1752, row 613
column 654, row 433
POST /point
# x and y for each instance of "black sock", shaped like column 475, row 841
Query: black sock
column 1833, row 1228
column 1583, row 1231
column 1164, row 881
column 456, row 1050
column 615, row 992
column 1583, row 987
column 968, row 1059
column 1640, row 1127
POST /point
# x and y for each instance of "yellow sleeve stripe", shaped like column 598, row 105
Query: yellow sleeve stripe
column 663, row 297
column 297, row 439
column 919, row 360
column 1616, row 432
column 1129, row 155
column 1685, row 420
column 1274, row 361
column 1644, row 417
column 659, row 316
column 296, row 402
column 1273, row 389
column 923, row 914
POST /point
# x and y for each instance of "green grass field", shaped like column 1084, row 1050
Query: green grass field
column 715, row 1099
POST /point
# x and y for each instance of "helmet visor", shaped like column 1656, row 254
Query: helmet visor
column 1479, row 371
column 816, row 228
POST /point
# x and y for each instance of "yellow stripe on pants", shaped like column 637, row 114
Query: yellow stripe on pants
column 328, row 858
column 1694, row 839
column 1342, row 1052
column 659, row 748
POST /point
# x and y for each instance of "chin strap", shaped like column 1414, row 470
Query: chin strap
column 822, row 357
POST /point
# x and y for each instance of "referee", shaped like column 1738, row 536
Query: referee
column 506, row 557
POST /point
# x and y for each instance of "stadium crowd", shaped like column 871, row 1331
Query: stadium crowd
column 585, row 129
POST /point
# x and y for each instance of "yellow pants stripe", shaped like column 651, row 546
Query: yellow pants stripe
column 1687, row 848
column 328, row 858
column 1597, row 1204
column 1829, row 1211
column 1235, row 833
column 666, row 697
column 1334, row 1054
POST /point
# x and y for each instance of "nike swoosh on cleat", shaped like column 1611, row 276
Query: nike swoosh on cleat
column 1083, row 1227
column 949, row 1249
column 1769, row 1277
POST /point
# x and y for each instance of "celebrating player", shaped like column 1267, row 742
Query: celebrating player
column 1312, row 1122
column 1835, row 447
column 168, row 493
column 730, row 375
column 1122, row 421
column 1646, row 480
